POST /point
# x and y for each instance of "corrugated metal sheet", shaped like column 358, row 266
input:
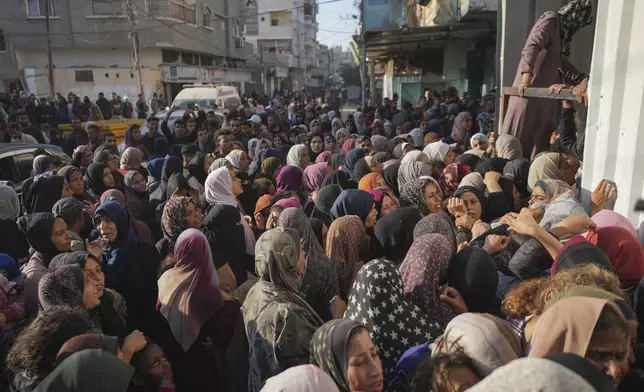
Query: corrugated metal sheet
column 615, row 127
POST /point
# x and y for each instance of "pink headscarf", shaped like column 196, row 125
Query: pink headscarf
column 314, row 175
column 348, row 144
column 608, row 218
column 323, row 157
column 189, row 292
column 287, row 203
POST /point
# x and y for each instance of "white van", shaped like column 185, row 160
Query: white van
column 205, row 95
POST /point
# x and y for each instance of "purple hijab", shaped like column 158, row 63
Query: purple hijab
column 314, row 175
column 289, row 179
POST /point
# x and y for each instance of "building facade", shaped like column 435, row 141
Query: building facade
column 181, row 42
column 283, row 34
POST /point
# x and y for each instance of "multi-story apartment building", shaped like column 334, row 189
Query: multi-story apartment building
column 181, row 42
column 283, row 33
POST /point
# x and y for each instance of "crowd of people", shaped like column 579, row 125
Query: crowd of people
column 286, row 247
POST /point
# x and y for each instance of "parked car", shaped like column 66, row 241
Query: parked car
column 16, row 161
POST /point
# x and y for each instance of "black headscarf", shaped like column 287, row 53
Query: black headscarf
column 470, row 160
column 69, row 209
column 579, row 254
column 94, row 179
column 196, row 168
column 361, row 169
column 473, row 273
column 390, row 175
column 326, row 196
column 70, row 258
column 394, row 233
column 491, row 164
column 352, row 202
column 44, row 193
column 517, row 170
column 479, row 195
column 337, row 159
column 318, row 229
column 341, row 178
column 37, row 228
column 170, row 166
column 227, row 241
column 352, row 158
column 329, row 347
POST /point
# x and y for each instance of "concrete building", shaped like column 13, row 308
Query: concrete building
column 181, row 42
column 283, row 33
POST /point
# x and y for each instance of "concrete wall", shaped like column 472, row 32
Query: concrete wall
column 455, row 63
column 105, row 81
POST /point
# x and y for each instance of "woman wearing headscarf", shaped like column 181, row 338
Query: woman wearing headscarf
column 423, row 272
column 348, row 145
column 137, row 227
column 330, row 144
column 44, row 192
column 160, row 149
column 98, row 179
column 370, row 182
column 460, row 129
column 171, row 165
column 411, row 171
column 390, row 175
column 395, row 324
column 583, row 326
column 136, row 197
column 132, row 159
column 135, row 281
column 320, row 279
column 324, row 157
column 81, row 157
column 298, row 156
column 289, row 179
column 475, row 180
column 355, row 202
column 271, row 167
column 337, row 160
column 361, row 168
column 436, row 224
column 341, row 178
column 228, row 246
column 313, row 177
column 106, row 156
column 222, row 187
column 379, row 143
column 484, row 338
column 549, row 166
column 110, row 315
column 12, row 241
column 508, row 147
column 344, row 350
column 473, row 274
column 424, row 193
column 179, row 214
column 47, row 235
column 452, row 176
column 624, row 251
column 74, row 177
column 279, row 323
column 347, row 245
column 544, row 62
column 154, row 174
column 324, row 202
column 301, row 378
column 476, row 206
column 200, row 317
column 351, row 159
column 393, row 234
column 239, row 160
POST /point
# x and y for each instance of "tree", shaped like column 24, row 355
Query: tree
column 351, row 75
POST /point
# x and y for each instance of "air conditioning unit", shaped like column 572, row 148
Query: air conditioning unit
column 239, row 42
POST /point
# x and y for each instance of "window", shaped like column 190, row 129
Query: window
column 107, row 7
column 173, row 9
column 207, row 15
column 275, row 22
column 237, row 29
column 169, row 56
column 3, row 45
column 39, row 8
column 206, row 61
column 189, row 58
column 85, row 76
column 24, row 162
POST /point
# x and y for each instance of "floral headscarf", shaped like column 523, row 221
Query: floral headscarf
column 572, row 17
column 344, row 242
column 413, row 193
column 174, row 219
column 452, row 176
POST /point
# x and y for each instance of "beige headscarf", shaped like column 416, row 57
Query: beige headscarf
column 567, row 326
column 303, row 378
column 131, row 159
column 508, row 147
column 544, row 167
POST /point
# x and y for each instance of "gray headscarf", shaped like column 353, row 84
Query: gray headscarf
column 9, row 203
column 379, row 143
column 474, row 180
column 508, row 147
column 295, row 218
column 276, row 255
column 418, row 137
column 412, row 170
column 439, row 224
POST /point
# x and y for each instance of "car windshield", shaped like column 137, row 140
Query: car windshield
column 201, row 103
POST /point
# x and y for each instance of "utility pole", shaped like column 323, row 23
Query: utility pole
column 50, row 67
column 131, row 17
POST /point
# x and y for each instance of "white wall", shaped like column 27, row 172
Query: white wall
column 84, row 57
column 614, row 146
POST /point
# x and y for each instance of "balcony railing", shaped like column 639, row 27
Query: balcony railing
column 107, row 7
column 173, row 9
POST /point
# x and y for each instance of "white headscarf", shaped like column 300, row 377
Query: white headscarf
column 418, row 136
column 9, row 203
column 437, row 151
column 294, row 155
column 219, row 188
column 303, row 378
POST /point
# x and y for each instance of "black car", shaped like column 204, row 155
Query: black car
column 16, row 161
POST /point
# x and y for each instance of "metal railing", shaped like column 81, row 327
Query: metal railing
column 107, row 7
column 173, row 9
column 530, row 92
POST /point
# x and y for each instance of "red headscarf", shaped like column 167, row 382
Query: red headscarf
column 624, row 251
column 348, row 144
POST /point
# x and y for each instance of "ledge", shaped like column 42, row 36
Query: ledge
column 106, row 17
column 42, row 18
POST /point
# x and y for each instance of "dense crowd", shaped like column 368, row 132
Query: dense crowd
column 281, row 246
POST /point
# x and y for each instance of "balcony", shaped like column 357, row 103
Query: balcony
column 173, row 9
column 199, row 74
column 107, row 7
column 283, row 59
